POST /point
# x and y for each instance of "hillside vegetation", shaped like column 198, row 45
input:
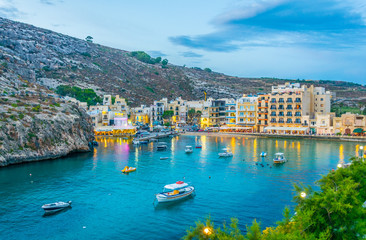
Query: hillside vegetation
column 51, row 59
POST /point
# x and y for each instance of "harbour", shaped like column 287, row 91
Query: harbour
column 109, row 204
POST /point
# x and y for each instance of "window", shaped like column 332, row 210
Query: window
column 241, row 107
column 321, row 99
column 251, row 108
column 281, row 114
column 241, row 114
column 281, row 107
column 281, row 100
column 299, row 121
column 289, row 120
column 281, row 120
column 273, row 114
column 289, row 114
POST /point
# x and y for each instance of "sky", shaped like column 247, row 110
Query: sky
column 292, row 39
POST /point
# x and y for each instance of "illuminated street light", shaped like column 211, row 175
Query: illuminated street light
column 303, row 194
column 207, row 231
column 339, row 165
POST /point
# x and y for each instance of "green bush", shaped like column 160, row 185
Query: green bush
column 150, row 89
column 14, row 105
column 83, row 95
column 36, row 108
column 207, row 70
column 144, row 57
column 21, row 115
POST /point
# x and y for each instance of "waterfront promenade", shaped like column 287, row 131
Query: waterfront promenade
column 268, row 135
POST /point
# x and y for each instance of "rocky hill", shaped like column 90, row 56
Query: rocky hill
column 35, row 124
column 50, row 59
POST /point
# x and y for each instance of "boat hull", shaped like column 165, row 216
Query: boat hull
column 278, row 161
column 164, row 198
column 56, row 207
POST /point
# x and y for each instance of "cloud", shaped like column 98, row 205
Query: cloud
column 191, row 55
column 324, row 23
column 10, row 12
column 51, row 2
column 156, row 53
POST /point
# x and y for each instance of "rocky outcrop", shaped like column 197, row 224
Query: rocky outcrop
column 35, row 124
column 50, row 59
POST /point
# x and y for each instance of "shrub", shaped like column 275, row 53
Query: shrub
column 14, row 105
column 21, row 115
column 36, row 108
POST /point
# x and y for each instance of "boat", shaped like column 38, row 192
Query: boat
column 95, row 143
column 162, row 146
column 226, row 153
column 198, row 145
column 143, row 141
column 175, row 191
column 189, row 149
column 163, row 158
column 136, row 142
column 57, row 206
column 128, row 169
column 263, row 154
column 279, row 158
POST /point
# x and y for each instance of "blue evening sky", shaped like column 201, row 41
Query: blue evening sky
column 306, row 39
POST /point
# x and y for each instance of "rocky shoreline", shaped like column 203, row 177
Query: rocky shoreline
column 37, row 125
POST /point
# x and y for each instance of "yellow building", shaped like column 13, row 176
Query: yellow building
column 246, row 112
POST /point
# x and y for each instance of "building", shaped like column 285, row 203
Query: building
column 231, row 113
column 262, row 112
column 349, row 124
column 140, row 115
column 217, row 113
column 157, row 111
column 324, row 123
column 293, row 108
column 179, row 108
column 246, row 113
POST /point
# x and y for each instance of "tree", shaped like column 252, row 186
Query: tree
column 158, row 60
column 164, row 62
column 207, row 70
column 168, row 114
column 89, row 39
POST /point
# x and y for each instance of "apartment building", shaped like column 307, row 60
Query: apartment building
column 230, row 112
column 324, row 123
column 246, row 112
column 262, row 112
column 217, row 113
column 157, row 111
column 350, row 123
column 179, row 108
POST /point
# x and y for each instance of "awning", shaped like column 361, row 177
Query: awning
column 286, row 128
column 358, row 130
column 235, row 128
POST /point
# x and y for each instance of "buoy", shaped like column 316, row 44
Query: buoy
column 30, row 174
column 84, row 226
column 209, row 177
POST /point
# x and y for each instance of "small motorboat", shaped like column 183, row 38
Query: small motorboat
column 162, row 146
column 128, row 169
column 189, row 149
column 175, row 191
column 198, row 146
column 163, row 158
column 226, row 153
column 57, row 206
column 263, row 154
column 279, row 158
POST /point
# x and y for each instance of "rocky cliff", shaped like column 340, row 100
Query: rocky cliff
column 50, row 59
column 35, row 124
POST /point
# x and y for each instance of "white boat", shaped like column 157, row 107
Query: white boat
column 263, row 154
column 175, row 191
column 162, row 146
column 279, row 158
column 57, row 206
column 136, row 142
column 189, row 149
column 226, row 153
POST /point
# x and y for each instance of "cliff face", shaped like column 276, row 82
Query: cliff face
column 50, row 59
column 37, row 125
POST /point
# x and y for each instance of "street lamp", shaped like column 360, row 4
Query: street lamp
column 207, row 231
column 339, row 165
column 361, row 148
column 303, row 194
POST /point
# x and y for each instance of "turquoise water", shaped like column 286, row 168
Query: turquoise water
column 108, row 204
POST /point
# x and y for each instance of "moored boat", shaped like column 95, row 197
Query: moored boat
column 128, row 169
column 279, row 158
column 175, row 191
column 162, row 146
column 57, row 206
column 163, row 158
column 263, row 154
column 226, row 153
column 189, row 149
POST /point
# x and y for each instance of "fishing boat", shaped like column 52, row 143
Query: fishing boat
column 226, row 152
column 162, row 146
column 189, row 149
column 57, row 206
column 175, row 191
column 263, row 154
column 279, row 158
column 128, row 169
